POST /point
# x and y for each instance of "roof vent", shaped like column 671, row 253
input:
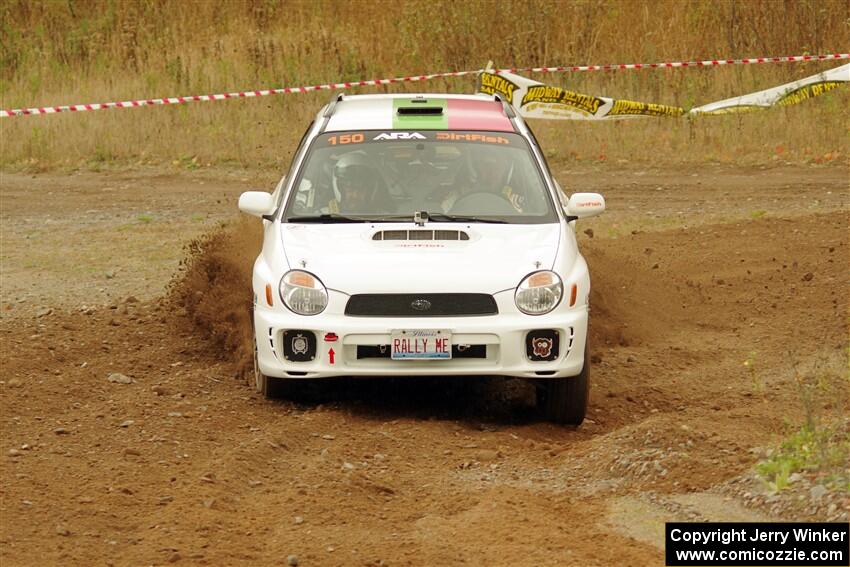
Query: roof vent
column 420, row 111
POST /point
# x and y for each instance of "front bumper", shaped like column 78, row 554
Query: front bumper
column 504, row 336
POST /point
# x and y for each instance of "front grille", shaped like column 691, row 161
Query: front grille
column 420, row 305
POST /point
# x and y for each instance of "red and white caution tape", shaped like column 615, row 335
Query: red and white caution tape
column 225, row 96
column 678, row 64
column 412, row 78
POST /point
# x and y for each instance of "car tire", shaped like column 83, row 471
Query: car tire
column 268, row 386
column 256, row 379
column 564, row 400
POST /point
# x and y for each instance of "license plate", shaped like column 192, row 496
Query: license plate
column 421, row 344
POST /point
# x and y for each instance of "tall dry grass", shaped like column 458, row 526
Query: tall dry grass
column 75, row 51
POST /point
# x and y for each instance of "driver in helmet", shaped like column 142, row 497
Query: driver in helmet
column 489, row 171
column 357, row 185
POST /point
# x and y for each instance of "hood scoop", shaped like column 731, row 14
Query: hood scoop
column 420, row 235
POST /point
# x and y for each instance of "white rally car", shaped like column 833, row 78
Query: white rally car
column 422, row 235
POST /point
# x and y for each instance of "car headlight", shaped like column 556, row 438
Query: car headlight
column 303, row 293
column 539, row 293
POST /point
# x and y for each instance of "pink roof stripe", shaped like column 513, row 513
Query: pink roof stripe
column 477, row 115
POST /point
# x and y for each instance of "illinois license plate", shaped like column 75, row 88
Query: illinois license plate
column 421, row 344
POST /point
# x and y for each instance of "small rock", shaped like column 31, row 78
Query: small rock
column 655, row 266
column 589, row 232
column 127, row 423
column 132, row 451
column 808, row 277
column 209, row 503
column 175, row 414
column 14, row 453
column 131, row 299
column 348, row 466
column 817, row 492
column 328, row 437
column 255, row 482
column 292, row 560
column 795, row 477
column 62, row 530
column 299, row 520
column 119, row 378
column 174, row 557
column 159, row 390
column 486, row 455
column 14, row 383
column 61, row 431
column 43, row 312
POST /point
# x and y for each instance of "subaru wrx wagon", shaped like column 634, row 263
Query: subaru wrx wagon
column 422, row 235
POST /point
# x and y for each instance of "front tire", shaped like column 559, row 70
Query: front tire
column 564, row 400
column 266, row 385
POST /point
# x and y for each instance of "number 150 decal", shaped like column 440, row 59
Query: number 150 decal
column 343, row 139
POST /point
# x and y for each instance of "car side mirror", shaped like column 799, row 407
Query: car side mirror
column 257, row 203
column 583, row 205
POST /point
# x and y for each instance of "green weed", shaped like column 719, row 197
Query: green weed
column 820, row 446
column 824, row 451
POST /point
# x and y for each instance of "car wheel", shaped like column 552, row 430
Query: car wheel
column 564, row 400
column 268, row 386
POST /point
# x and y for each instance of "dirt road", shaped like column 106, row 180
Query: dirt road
column 695, row 273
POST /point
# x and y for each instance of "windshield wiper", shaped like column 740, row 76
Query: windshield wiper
column 441, row 217
column 334, row 217
column 436, row 217
column 326, row 217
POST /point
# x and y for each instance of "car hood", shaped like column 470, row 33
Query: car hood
column 347, row 258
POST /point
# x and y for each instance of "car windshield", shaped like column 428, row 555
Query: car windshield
column 389, row 176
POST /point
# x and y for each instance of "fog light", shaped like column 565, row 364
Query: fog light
column 542, row 345
column 299, row 346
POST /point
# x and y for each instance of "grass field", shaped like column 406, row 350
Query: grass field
column 66, row 52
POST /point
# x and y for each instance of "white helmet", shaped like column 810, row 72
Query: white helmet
column 355, row 173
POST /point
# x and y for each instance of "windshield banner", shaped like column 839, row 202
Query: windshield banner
column 536, row 100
